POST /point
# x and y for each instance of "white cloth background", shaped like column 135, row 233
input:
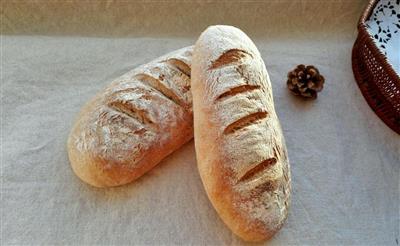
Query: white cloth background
column 345, row 161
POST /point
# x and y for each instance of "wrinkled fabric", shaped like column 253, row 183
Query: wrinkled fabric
column 344, row 160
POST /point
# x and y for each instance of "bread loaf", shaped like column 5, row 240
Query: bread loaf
column 240, row 148
column 134, row 123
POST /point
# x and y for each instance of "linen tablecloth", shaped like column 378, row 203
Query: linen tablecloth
column 57, row 55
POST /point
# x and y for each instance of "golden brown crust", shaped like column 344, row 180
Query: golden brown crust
column 240, row 148
column 135, row 122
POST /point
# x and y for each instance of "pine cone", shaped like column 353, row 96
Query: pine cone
column 305, row 81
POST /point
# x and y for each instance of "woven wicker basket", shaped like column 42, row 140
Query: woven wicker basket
column 378, row 81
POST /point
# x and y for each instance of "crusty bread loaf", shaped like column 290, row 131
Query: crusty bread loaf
column 240, row 148
column 134, row 123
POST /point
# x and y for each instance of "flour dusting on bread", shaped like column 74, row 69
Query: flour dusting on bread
column 240, row 148
column 136, row 121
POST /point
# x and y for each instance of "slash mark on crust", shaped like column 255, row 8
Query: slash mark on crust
column 237, row 90
column 245, row 121
column 157, row 85
column 180, row 66
column 256, row 169
column 228, row 57
column 131, row 111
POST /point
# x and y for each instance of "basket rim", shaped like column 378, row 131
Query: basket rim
column 367, row 96
column 386, row 110
column 367, row 12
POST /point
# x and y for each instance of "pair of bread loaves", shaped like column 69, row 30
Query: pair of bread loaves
column 147, row 114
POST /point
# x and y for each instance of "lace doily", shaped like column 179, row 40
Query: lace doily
column 384, row 26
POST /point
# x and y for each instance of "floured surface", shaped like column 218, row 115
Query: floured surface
column 344, row 160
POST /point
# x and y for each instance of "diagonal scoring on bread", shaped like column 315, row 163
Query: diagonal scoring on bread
column 240, row 149
column 229, row 57
column 270, row 185
column 237, row 90
column 256, row 169
column 134, row 123
column 131, row 111
column 245, row 121
column 160, row 87
column 183, row 69
column 179, row 65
